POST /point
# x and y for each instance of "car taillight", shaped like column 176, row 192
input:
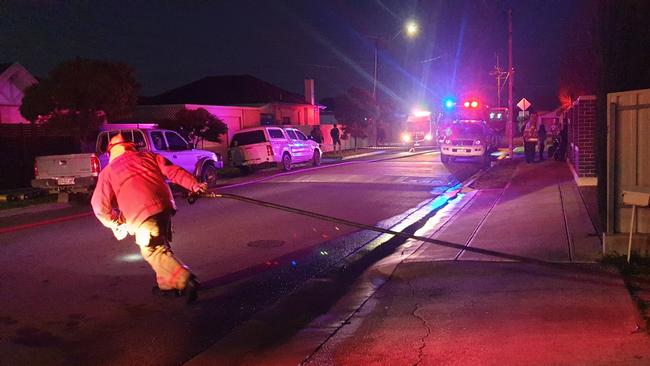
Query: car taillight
column 94, row 165
column 269, row 150
column 35, row 168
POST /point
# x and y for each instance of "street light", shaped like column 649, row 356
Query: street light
column 411, row 29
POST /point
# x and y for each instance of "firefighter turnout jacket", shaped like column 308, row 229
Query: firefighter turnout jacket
column 135, row 182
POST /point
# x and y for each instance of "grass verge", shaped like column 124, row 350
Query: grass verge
column 48, row 198
column 636, row 275
column 498, row 176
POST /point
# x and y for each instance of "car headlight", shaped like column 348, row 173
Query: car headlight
column 406, row 137
column 428, row 137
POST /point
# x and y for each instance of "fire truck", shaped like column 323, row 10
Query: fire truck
column 418, row 129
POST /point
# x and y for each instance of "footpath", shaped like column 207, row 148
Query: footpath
column 539, row 298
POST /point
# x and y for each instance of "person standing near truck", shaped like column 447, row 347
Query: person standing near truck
column 530, row 138
column 132, row 195
column 541, row 135
column 336, row 138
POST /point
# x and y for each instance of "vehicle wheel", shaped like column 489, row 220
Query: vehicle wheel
column 286, row 162
column 209, row 175
column 316, row 158
column 444, row 158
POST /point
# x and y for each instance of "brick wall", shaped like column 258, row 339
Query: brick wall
column 581, row 117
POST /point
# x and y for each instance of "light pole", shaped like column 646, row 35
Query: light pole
column 411, row 29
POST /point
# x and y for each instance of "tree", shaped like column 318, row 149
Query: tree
column 196, row 124
column 357, row 111
column 79, row 95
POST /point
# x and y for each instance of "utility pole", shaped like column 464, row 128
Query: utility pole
column 499, row 74
column 511, row 77
column 374, row 79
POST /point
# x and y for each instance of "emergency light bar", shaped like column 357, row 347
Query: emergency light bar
column 470, row 104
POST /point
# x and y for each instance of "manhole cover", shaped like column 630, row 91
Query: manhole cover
column 265, row 243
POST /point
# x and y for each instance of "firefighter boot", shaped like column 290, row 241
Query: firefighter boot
column 166, row 293
column 191, row 289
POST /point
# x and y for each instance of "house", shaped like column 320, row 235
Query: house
column 240, row 101
column 14, row 79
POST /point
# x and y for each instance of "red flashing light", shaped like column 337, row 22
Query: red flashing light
column 472, row 104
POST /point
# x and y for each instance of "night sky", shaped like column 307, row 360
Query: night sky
column 171, row 43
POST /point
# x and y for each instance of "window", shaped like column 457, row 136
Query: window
column 248, row 138
column 291, row 134
column 127, row 135
column 158, row 140
column 266, row 119
column 138, row 138
column 102, row 143
column 301, row 135
column 175, row 141
column 275, row 133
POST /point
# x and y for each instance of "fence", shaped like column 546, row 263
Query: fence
column 628, row 166
column 20, row 144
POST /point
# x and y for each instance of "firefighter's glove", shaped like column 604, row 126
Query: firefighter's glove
column 200, row 188
column 120, row 231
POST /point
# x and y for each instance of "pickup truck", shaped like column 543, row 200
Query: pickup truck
column 467, row 139
column 77, row 173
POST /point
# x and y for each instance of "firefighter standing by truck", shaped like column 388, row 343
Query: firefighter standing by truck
column 530, row 138
column 132, row 195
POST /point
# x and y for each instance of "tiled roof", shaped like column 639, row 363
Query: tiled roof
column 226, row 90
column 4, row 66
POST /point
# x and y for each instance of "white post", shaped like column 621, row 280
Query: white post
column 629, row 243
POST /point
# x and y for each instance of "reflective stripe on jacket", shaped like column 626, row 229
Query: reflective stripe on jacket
column 135, row 184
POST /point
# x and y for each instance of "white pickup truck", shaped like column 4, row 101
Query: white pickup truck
column 77, row 173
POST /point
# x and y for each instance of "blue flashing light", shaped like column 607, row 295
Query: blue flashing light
column 449, row 103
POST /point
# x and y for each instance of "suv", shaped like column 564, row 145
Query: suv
column 271, row 145
column 466, row 139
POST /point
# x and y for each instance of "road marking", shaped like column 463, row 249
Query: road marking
column 10, row 229
column 323, row 167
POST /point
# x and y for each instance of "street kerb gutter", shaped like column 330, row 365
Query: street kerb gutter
column 318, row 294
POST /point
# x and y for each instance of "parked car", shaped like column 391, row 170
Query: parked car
column 470, row 139
column 77, row 173
column 272, row 145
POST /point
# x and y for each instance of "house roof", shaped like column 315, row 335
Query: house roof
column 4, row 66
column 226, row 90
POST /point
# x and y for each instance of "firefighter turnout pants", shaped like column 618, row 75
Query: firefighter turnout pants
column 154, row 237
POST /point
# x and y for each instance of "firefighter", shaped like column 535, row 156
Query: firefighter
column 530, row 138
column 132, row 195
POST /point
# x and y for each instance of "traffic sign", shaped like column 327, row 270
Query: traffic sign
column 523, row 104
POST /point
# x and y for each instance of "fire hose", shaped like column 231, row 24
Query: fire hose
column 193, row 197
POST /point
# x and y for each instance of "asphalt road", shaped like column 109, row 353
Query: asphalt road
column 72, row 294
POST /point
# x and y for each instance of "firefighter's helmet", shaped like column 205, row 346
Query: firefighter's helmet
column 118, row 145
